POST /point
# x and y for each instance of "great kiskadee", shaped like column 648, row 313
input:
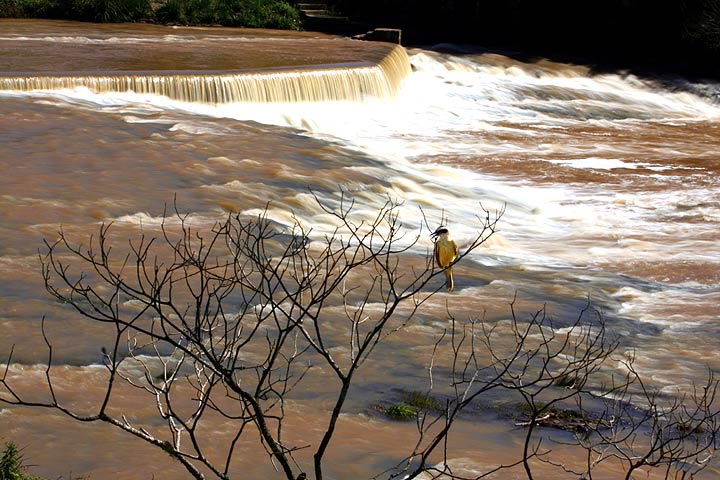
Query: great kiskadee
column 445, row 252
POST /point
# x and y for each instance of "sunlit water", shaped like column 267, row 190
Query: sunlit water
column 609, row 181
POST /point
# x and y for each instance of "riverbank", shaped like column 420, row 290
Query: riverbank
column 624, row 37
column 277, row 14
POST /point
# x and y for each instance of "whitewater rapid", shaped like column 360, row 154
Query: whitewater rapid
column 456, row 115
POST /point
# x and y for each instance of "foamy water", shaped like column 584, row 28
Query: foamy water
column 446, row 107
column 456, row 109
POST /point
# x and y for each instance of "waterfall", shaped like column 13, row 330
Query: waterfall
column 343, row 82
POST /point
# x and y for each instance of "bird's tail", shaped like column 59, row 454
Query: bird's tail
column 449, row 283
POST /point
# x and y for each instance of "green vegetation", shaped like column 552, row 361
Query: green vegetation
column 682, row 35
column 401, row 411
column 234, row 13
column 411, row 404
column 12, row 466
column 86, row 10
column 422, row 401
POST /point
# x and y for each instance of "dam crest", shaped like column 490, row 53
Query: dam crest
column 354, row 82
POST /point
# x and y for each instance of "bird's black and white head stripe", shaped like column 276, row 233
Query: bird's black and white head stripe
column 439, row 231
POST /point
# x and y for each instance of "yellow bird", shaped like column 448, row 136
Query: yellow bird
column 445, row 252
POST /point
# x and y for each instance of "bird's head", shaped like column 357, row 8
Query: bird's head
column 439, row 231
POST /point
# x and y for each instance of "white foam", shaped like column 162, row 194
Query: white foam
column 446, row 96
column 607, row 164
column 141, row 218
column 665, row 306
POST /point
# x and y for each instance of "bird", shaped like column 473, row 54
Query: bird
column 446, row 251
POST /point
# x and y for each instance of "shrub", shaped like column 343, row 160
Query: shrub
column 11, row 9
column 186, row 12
column 234, row 13
column 30, row 8
column 401, row 411
column 11, row 464
column 112, row 10
column 269, row 14
column 422, row 401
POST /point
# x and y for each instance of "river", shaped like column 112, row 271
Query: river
column 609, row 182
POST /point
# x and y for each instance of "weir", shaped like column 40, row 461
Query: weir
column 341, row 82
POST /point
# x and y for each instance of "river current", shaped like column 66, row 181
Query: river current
column 609, row 183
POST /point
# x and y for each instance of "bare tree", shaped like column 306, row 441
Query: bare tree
column 642, row 429
column 226, row 322
column 564, row 380
column 168, row 299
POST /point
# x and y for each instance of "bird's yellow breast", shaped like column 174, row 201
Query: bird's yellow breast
column 445, row 251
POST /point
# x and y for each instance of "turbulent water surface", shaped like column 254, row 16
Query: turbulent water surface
column 609, row 181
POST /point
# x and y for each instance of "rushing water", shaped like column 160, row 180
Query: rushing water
column 610, row 184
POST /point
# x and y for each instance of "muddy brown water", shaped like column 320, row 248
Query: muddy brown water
column 609, row 184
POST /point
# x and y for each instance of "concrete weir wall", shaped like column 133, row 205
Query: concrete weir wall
column 341, row 82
